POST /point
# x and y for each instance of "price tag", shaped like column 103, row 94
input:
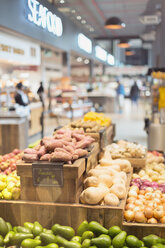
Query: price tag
column 48, row 174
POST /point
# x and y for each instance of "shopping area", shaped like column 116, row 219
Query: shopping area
column 82, row 120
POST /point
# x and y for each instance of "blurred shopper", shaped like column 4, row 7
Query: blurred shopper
column 120, row 96
column 40, row 92
column 22, row 99
column 134, row 93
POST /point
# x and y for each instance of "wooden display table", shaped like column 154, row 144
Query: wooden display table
column 13, row 132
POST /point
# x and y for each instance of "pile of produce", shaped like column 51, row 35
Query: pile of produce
column 125, row 149
column 155, row 156
column 88, row 235
column 8, row 161
column 10, row 186
column 66, row 145
column 142, row 184
column 145, row 205
column 87, row 126
column 154, row 170
column 106, row 184
column 100, row 118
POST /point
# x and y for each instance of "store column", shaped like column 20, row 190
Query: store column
column 91, row 71
column 66, row 64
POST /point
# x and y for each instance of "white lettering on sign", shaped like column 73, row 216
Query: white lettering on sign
column 84, row 43
column 110, row 59
column 100, row 53
column 44, row 18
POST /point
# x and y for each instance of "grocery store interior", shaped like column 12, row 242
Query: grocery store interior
column 82, row 123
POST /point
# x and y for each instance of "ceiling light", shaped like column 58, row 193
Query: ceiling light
column 86, row 61
column 123, row 43
column 79, row 59
column 83, row 21
column 62, row 1
column 78, row 17
column 114, row 23
column 73, row 11
column 91, row 30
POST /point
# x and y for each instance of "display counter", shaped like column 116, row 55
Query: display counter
column 13, row 131
column 108, row 102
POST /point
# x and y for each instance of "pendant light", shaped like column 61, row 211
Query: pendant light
column 114, row 23
column 123, row 44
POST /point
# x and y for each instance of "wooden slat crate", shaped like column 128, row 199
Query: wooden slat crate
column 92, row 158
column 137, row 162
column 69, row 193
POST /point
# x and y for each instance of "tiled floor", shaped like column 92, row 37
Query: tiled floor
column 129, row 124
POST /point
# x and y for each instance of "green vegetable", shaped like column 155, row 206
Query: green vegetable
column 86, row 243
column 77, row 239
column 8, row 237
column 1, row 241
column 30, row 243
column 9, row 226
column 48, row 238
column 158, row 246
column 29, row 225
column 151, row 240
column 82, row 228
column 67, row 244
column 87, row 235
column 103, row 241
column 114, row 230
column 21, row 229
column 97, row 229
column 51, row 246
column 17, row 238
column 3, row 227
column 37, row 228
column 47, row 231
column 119, row 240
column 66, row 232
column 133, row 241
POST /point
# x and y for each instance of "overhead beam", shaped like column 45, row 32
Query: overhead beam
column 129, row 37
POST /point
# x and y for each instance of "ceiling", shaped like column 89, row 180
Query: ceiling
column 90, row 16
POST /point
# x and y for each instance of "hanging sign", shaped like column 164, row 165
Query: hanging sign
column 100, row 53
column 42, row 17
column 84, row 43
column 18, row 51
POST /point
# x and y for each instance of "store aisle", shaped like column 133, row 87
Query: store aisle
column 130, row 124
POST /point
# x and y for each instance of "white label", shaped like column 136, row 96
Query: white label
column 84, row 43
column 44, row 18
column 100, row 53
column 110, row 59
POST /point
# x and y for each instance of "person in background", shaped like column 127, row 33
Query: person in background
column 120, row 96
column 20, row 97
column 40, row 92
column 134, row 93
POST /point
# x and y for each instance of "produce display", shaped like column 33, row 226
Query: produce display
column 100, row 118
column 106, row 184
column 125, row 149
column 10, row 186
column 66, row 146
column 154, row 170
column 88, row 235
column 8, row 161
column 145, row 205
column 87, row 126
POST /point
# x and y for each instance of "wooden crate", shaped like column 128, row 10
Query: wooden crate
column 137, row 162
column 69, row 193
column 92, row 158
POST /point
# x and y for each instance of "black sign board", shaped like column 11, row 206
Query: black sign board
column 47, row 174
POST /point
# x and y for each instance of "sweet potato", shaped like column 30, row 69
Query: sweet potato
column 45, row 157
column 30, row 157
column 30, row 151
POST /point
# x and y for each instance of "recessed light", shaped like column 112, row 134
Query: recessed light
column 86, row 61
column 83, row 21
column 79, row 59
column 73, row 11
column 62, row 1
column 78, row 17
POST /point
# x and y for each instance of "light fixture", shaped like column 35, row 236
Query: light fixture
column 73, row 11
column 123, row 44
column 83, row 21
column 86, row 61
column 78, row 17
column 114, row 23
column 79, row 59
column 129, row 53
column 91, row 29
column 62, row 1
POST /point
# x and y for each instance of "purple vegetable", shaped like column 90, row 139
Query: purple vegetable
column 147, row 183
column 154, row 184
column 137, row 180
column 162, row 188
column 143, row 187
column 136, row 184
